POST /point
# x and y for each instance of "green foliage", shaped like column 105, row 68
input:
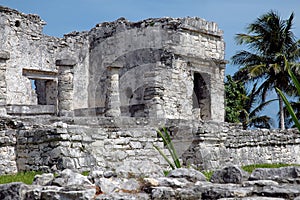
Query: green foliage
column 25, row 177
column 169, row 144
column 250, row 168
column 287, row 103
column 271, row 41
column 85, row 173
column 235, row 94
column 166, row 172
column 208, row 174
column 244, row 107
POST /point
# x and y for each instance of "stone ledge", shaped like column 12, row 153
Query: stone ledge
column 31, row 110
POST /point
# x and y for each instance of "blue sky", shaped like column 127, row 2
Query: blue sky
column 232, row 16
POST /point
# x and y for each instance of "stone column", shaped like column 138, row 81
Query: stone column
column 154, row 91
column 65, row 87
column 4, row 56
column 113, row 103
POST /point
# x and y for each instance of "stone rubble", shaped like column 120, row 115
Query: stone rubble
column 230, row 183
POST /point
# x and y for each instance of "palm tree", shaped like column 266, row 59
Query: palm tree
column 249, row 115
column 271, row 42
column 240, row 105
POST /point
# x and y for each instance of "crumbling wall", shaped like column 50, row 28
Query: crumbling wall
column 22, row 38
column 30, row 49
column 158, row 60
column 8, row 143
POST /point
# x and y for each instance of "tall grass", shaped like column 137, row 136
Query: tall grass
column 25, row 177
column 250, row 168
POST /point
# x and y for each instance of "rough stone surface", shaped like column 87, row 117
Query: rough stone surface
column 189, row 174
column 51, row 144
column 44, row 179
column 284, row 174
column 68, row 178
column 119, row 187
column 12, row 191
column 230, row 174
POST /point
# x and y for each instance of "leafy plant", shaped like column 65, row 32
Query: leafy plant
column 235, row 93
column 287, row 103
column 243, row 106
column 85, row 173
column 169, row 144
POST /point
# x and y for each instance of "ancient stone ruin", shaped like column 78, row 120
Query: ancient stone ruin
column 142, row 69
column 96, row 98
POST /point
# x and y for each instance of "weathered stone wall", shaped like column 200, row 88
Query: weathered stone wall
column 50, row 144
column 159, row 58
column 8, row 143
column 30, row 49
column 81, row 145
column 22, row 38
column 217, row 144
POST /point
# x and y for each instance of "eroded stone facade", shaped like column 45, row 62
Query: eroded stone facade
column 167, row 68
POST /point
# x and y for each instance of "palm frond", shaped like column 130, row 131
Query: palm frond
column 260, row 107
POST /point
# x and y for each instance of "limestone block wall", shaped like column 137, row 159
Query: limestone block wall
column 21, row 36
column 111, row 143
column 77, row 48
column 82, row 145
column 217, row 144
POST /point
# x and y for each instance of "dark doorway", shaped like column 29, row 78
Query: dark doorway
column 201, row 96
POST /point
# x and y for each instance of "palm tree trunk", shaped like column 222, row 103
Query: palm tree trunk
column 282, row 124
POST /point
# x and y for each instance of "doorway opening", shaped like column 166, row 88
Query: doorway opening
column 201, row 96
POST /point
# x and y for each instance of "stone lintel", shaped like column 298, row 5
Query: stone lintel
column 39, row 74
column 66, row 62
column 4, row 55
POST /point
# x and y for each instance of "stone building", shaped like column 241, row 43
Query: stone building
column 96, row 98
column 159, row 68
